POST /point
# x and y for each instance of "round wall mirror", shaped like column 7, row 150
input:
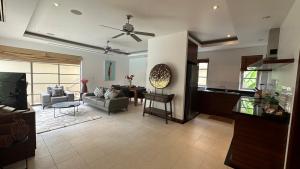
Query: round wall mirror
column 160, row 76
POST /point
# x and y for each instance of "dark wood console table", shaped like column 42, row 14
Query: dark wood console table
column 162, row 98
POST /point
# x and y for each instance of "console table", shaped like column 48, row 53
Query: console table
column 162, row 98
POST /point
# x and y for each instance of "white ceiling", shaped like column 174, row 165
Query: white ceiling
column 242, row 18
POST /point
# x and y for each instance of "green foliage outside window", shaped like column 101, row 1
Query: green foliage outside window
column 249, row 80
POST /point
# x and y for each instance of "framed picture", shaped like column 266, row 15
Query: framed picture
column 110, row 70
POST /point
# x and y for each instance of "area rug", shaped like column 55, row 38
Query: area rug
column 45, row 120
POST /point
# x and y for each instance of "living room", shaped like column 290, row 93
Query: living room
column 149, row 85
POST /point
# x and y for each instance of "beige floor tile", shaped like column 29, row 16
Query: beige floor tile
column 73, row 163
column 41, row 163
column 127, row 140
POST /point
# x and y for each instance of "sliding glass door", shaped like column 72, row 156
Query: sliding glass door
column 42, row 75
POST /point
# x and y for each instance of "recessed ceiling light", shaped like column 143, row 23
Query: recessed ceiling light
column 76, row 12
column 266, row 17
column 215, row 7
column 56, row 4
column 228, row 36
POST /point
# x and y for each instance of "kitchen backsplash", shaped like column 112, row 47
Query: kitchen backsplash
column 285, row 96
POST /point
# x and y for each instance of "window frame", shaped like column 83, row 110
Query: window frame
column 242, row 80
column 207, row 62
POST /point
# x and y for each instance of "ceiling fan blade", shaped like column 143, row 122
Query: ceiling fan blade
column 135, row 37
column 111, row 27
column 121, row 34
column 144, row 33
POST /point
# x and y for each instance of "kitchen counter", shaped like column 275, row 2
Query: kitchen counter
column 216, row 102
column 249, row 106
column 228, row 91
column 259, row 139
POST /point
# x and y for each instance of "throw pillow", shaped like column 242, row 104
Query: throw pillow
column 49, row 90
column 98, row 92
column 107, row 93
column 121, row 94
column 56, row 92
column 114, row 93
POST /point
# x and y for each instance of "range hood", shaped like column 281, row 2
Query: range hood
column 271, row 61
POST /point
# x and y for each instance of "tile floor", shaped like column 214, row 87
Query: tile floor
column 127, row 140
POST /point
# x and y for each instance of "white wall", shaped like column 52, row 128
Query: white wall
column 92, row 64
column 171, row 50
column 224, row 65
column 138, row 67
column 289, row 47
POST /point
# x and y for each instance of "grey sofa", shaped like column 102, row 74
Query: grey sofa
column 109, row 105
column 48, row 100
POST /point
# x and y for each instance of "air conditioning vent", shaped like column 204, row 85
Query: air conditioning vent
column 2, row 11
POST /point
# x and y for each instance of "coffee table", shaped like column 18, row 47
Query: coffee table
column 68, row 104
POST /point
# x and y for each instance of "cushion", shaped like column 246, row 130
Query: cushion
column 107, row 93
column 49, row 90
column 99, row 92
column 59, row 99
column 114, row 94
column 121, row 94
column 56, row 92
column 111, row 93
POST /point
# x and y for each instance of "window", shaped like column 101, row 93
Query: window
column 50, row 74
column 202, row 74
column 247, row 106
column 249, row 80
column 18, row 67
column 42, row 75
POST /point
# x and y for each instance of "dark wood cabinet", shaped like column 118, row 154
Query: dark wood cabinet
column 22, row 150
column 258, row 143
column 259, row 140
column 217, row 103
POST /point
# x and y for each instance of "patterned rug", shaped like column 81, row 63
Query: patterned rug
column 45, row 120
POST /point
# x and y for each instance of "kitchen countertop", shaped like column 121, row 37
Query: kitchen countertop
column 227, row 91
column 223, row 92
column 249, row 106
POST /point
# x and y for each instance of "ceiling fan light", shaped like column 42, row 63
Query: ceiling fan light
column 215, row 7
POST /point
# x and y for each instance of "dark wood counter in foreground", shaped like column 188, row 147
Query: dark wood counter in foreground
column 259, row 140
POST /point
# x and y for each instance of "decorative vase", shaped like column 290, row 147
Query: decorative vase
column 84, row 88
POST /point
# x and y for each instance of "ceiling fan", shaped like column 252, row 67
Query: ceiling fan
column 108, row 49
column 128, row 29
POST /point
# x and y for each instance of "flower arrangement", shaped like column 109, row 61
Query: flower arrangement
column 129, row 78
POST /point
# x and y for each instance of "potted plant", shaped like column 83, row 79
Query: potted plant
column 272, row 101
column 84, row 88
column 129, row 78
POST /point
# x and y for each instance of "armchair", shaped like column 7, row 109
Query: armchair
column 47, row 99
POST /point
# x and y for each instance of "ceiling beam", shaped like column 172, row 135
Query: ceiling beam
column 213, row 41
column 222, row 40
column 45, row 37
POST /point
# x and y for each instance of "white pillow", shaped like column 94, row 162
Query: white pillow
column 110, row 94
column 107, row 94
column 98, row 92
column 114, row 94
